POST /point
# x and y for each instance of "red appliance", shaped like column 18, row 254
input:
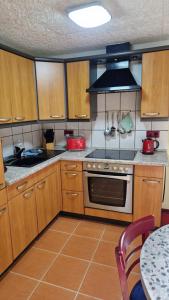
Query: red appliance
column 76, row 143
column 149, row 147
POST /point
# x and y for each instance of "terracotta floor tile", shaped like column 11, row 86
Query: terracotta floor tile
column 80, row 247
column 102, row 282
column 48, row 292
column 89, row 229
column 84, row 297
column 15, row 287
column 52, row 241
column 34, row 263
column 67, row 272
column 65, row 225
column 105, row 254
column 112, row 233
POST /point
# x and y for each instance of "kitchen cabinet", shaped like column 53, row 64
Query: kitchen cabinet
column 18, row 93
column 51, row 90
column 148, row 192
column 5, row 238
column 155, row 85
column 48, row 198
column 2, row 178
column 72, row 187
column 77, row 83
column 23, row 220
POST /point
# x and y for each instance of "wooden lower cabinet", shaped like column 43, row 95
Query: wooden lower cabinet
column 73, row 202
column 48, row 199
column 148, row 194
column 23, row 220
column 5, row 240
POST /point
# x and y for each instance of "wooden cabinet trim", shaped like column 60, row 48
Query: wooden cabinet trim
column 149, row 171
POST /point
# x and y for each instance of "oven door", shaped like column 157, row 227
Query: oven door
column 108, row 192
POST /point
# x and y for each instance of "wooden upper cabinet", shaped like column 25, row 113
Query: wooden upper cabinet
column 155, row 85
column 5, row 89
column 51, row 90
column 77, row 83
column 17, row 93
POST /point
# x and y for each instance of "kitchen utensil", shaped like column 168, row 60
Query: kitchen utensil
column 107, row 130
column 148, row 146
column 120, row 128
column 49, row 135
column 76, row 143
column 113, row 128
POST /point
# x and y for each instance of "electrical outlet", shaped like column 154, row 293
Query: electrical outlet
column 153, row 133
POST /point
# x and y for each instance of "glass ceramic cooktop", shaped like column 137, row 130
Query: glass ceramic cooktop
column 113, row 154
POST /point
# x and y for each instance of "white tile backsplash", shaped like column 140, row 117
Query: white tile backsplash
column 98, row 139
column 113, row 101
column 139, row 136
column 7, row 146
column 128, row 101
column 142, row 124
column 113, row 142
column 164, row 140
column 160, row 125
column 85, row 125
column 5, row 132
column 60, row 139
column 28, row 140
column 127, row 140
column 99, row 123
column 17, row 130
column 101, row 103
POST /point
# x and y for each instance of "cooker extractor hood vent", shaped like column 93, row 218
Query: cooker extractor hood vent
column 116, row 78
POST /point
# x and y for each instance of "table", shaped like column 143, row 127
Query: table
column 154, row 265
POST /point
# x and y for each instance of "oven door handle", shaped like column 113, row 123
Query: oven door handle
column 125, row 178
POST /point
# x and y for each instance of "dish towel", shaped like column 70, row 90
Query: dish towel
column 126, row 124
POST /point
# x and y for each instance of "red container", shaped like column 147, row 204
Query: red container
column 149, row 146
column 76, row 143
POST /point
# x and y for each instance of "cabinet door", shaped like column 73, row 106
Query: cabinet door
column 23, row 220
column 51, row 90
column 78, row 82
column 2, row 178
column 148, row 198
column 155, row 84
column 5, row 89
column 23, row 81
column 48, row 199
column 73, row 202
column 5, row 238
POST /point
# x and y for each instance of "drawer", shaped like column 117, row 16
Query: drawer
column 149, row 171
column 3, row 197
column 19, row 187
column 72, row 181
column 73, row 202
column 71, row 165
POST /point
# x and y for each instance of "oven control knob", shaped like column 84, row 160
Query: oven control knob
column 99, row 166
column 126, row 169
column 94, row 166
column 89, row 166
column 115, row 168
column 121, row 169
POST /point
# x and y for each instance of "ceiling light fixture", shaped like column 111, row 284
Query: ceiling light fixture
column 89, row 16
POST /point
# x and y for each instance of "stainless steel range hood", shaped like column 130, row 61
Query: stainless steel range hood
column 117, row 78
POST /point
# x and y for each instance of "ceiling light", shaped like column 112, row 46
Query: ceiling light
column 89, row 16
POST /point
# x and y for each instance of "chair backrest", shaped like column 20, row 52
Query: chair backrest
column 141, row 227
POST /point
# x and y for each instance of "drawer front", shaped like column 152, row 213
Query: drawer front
column 19, row 187
column 73, row 202
column 71, row 165
column 72, row 181
column 149, row 171
column 3, row 197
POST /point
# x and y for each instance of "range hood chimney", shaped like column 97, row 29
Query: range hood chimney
column 117, row 77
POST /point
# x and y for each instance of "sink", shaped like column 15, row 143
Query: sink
column 30, row 161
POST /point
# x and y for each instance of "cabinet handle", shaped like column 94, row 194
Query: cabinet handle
column 81, row 116
column 72, row 194
column 71, row 174
column 41, row 185
column 19, row 118
column 2, row 211
column 151, row 114
column 56, row 116
column 151, row 181
column 28, row 194
column 5, row 119
column 22, row 186
column 71, row 166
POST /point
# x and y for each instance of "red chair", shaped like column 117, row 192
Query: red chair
column 141, row 227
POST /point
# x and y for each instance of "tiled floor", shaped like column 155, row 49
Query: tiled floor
column 72, row 260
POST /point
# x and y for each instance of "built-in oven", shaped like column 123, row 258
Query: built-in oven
column 108, row 186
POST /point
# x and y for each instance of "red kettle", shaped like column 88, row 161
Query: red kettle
column 148, row 146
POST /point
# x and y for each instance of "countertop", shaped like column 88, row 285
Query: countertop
column 13, row 174
column 154, row 264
